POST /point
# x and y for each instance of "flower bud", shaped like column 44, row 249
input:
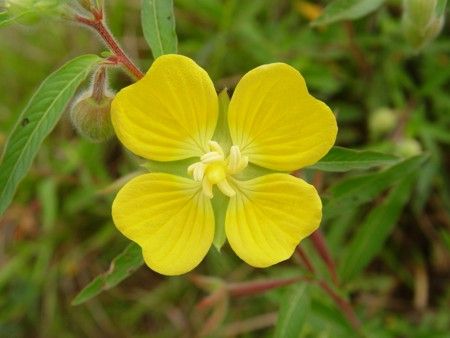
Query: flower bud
column 408, row 147
column 92, row 119
column 91, row 113
column 422, row 21
column 382, row 121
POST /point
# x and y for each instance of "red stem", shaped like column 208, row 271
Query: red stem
column 322, row 249
column 255, row 287
column 99, row 26
column 304, row 258
column 343, row 305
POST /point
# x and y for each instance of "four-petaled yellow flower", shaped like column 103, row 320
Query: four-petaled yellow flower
column 236, row 152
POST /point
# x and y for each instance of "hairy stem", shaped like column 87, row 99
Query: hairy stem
column 98, row 24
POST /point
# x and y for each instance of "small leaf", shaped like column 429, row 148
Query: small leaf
column 37, row 121
column 294, row 310
column 158, row 25
column 121, row 267
column 340, row 10
column 377, row 227
column 341, row 159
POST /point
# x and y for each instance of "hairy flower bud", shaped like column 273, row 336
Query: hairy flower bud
column 422, row 21
column 408, row 147
column 92, row 119
column 382, row 121
column 90, row 114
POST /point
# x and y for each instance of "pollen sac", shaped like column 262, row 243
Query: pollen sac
column 214, row 169
column 92, row 119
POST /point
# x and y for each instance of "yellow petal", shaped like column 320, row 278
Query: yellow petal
column 170, row 114
column 276, row 122
column 269, row 216
column 169, row 217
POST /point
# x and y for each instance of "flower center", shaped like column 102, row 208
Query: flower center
column 214, row 169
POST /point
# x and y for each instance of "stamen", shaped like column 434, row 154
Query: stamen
column 243, row 164
column 236, row 162
column 226, row 188
column 197, row 170
column 234, row 159
column 214, row 169
column 207, row 188
column 212, row 156
column 214, row 146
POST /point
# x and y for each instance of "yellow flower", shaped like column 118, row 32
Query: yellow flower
column 235, row 157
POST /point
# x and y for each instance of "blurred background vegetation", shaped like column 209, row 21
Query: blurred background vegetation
column 388, row 96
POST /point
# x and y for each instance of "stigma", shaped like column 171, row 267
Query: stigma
column 216, row 169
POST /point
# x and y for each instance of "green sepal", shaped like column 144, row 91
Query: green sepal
column 220, row 206
column 253, row 171
column 178, row 168
column 222, row 132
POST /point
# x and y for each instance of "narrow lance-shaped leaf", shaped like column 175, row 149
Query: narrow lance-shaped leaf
column 37, row 121
column 372, row 234
column 158, row 25
column 341, row 159
column 121, row 267
column 355, row 191
column 294, row 310
column 340, row 10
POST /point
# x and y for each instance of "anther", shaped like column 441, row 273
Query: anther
column 214, row 146
column 236, row 162
column 226, row 188
column 212, row 156
column 233, row 160
column 207, row 188
column 197, row 170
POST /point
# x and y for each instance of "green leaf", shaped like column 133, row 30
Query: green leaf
column 28, row 11
column 341, row 159
column 372, row 234
column 37, row 121
column 121, row 267
column 293, row 313
column 158, row 25
column 340, row 10
column 440, row 7
column 355, row 191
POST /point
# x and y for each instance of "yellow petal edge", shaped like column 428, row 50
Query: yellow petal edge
column 276, row 122
column 269, row 216
column 169, row 218
column 170, row 114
